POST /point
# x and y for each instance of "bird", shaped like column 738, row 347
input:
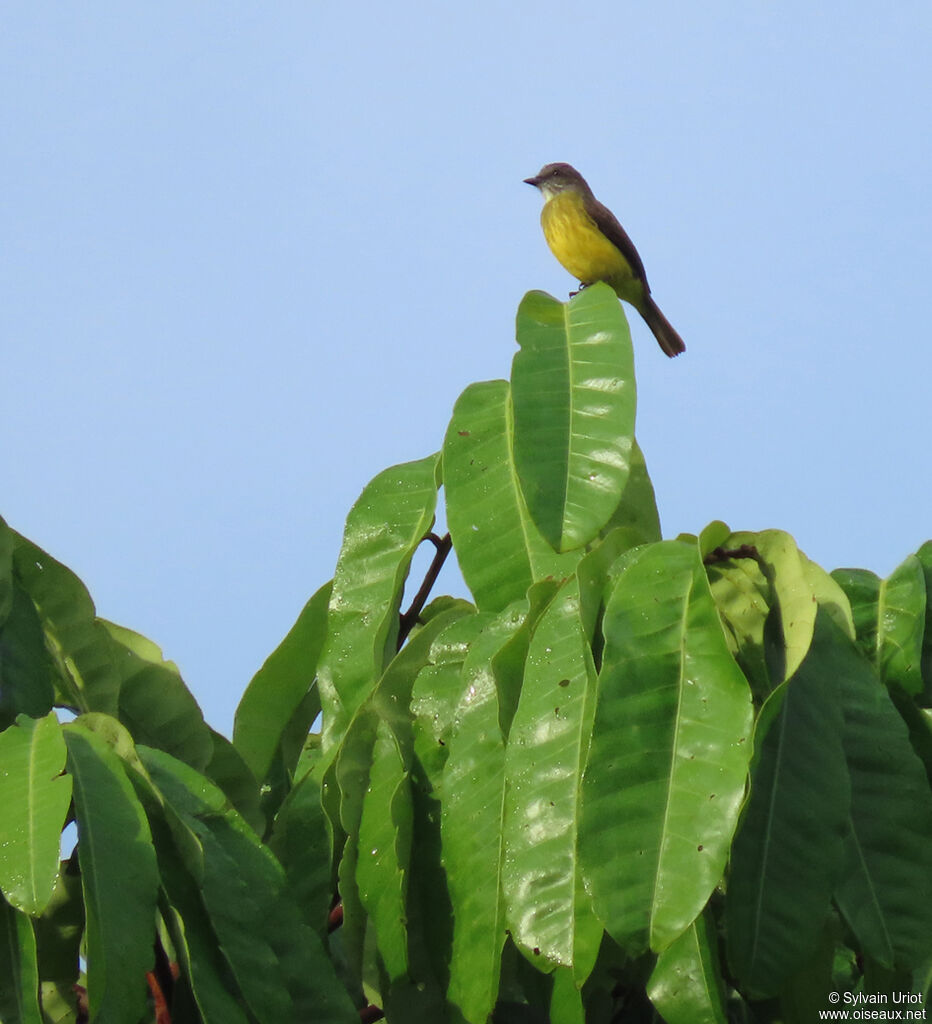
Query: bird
column 588, row 241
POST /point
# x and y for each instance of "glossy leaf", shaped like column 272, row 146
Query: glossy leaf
column 574, row 403
column 787, row 853
column 118, row 874
column 88, row 676
column 885, row 889
column 669, row 751
column 547, row 747
column 889, row 616
column 686, row 983
column 473, row 807
column 499, row 549
column 34, row 797
column 19, row 971
column 383, row 530
column 278, row 688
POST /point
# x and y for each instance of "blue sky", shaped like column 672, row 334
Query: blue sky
column 251, row 253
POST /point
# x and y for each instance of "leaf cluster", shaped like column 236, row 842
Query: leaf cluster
column 632, row 779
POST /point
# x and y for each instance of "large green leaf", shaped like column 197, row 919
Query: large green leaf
column 574, row 402
column 383, row 530
column 473, row 793
column 686, row 983
column 278, row 688
column 155, row 704
column 19, row 971
column 88, row 676
column 544, row 760
column 889, row 616
column 885, row 890
column 118, row 874
column 277, row 960
column 669, row 751
column 787, row 853
column 34, row 798
column 499, row 549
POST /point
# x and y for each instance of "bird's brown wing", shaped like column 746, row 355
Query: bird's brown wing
column 607, row 223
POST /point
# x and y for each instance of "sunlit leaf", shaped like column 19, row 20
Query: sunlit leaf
column 499, row 549
column 669, row 751
column 383, row 530
column 574, row 402
column 277, row 689
column 34, row 798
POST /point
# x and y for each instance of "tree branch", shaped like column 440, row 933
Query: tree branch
column 408, row 619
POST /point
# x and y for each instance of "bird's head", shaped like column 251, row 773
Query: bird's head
column 555, row 178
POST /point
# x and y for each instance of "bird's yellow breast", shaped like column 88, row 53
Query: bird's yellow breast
column 578, row 244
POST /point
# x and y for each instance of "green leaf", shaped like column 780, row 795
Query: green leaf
column 885, row 890
column 574, row 403
column 385, row 850
column 60, row 928
column 26, row 681
column 686, row 983
column 278, row 961
column 637, row 510
column 383, row 530
column 473, row 792
column 788, row 572
column 547, row 748
column 230, row 772
column 278, row 688
column 118, row 874
column 787, row 853
column 89, row 679
column 388, row 702
column 889, row 616
column 19, row 973
column 924, row 554
column 299, row 840
column 669, row 751
column 499, row 549
column 7, row 543
column 155, row 705
column 34, row 797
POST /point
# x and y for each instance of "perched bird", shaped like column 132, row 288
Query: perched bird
column 587, row 239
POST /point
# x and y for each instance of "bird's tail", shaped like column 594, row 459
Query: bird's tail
column 663, row 331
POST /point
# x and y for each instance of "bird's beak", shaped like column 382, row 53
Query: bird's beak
column 535, row 181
